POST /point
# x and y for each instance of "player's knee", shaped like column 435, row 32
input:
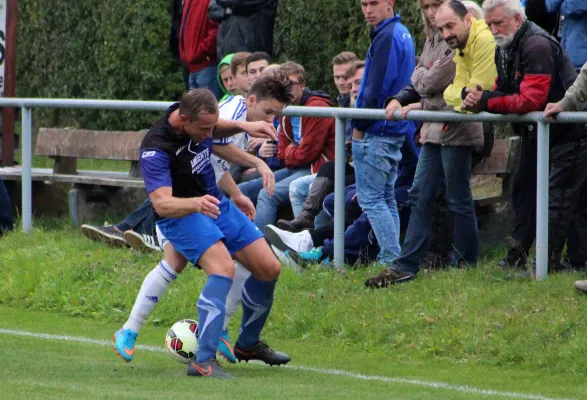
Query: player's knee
column 225, row 269
column 272, row 269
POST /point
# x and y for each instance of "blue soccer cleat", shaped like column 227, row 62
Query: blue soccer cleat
column 225, row 349
column 124, row 343
column 306, row 258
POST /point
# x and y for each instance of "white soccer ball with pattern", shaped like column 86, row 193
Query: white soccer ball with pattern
column 181, row 341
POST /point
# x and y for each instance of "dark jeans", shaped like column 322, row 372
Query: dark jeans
column 523, row 203
column 6, row 221
column 142, row 220
column 438, row 164
column 567, row 212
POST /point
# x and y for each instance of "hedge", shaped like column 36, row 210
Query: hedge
column 119, row 50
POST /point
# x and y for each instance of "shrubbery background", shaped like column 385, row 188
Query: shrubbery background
column 120, row 50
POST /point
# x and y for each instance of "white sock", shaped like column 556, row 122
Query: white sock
column 153, row 288
column 241, row 274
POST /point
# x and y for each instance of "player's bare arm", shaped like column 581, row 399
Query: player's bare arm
column 233, row 154
column 230, row 187
column 168, row 206
column 261, row 129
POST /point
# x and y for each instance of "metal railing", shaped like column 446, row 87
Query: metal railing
column 341, row 115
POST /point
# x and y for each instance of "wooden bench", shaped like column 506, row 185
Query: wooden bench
column 501, row 163
column 65, row 146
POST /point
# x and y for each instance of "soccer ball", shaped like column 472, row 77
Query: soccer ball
column 181, row 341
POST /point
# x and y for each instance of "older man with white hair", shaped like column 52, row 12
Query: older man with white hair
column 533, row 70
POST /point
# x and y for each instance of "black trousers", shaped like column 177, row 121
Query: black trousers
column 523, row 203
column 567, row 212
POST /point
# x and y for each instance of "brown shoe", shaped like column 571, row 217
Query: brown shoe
column 388, row 277
column 581, row 285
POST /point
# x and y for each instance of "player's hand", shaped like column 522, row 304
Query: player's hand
column 551, row 110
column 268, row 177
column 254, row 143
column 261, row 129
column 207, row 205
column 267, row 149
column 245, row 205
column 392, row 106
column 472, row 100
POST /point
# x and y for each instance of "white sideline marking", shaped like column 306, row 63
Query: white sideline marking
column 335, row 372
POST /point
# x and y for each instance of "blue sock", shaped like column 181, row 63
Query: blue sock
column 257, row 302
column 211, row 309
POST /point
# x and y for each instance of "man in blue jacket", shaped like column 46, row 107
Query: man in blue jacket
column 376, row 144
column 574, row 28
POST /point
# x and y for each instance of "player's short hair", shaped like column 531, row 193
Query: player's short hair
column 258, row 56
column 344, row 58
column 293, row 68
column 238, row 59
column 355, row 66
column 277, row 86
column 197, row 102
column 457, row 7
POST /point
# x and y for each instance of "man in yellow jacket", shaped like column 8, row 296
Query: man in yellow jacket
column 448, row 160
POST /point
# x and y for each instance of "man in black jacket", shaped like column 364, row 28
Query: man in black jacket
column 245, row 25
column 533, row 70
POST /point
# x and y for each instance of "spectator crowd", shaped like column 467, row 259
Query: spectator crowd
column 496, row 57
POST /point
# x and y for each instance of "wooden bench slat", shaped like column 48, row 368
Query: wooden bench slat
column 497, row 163
column 105, row 178
column 79, row 143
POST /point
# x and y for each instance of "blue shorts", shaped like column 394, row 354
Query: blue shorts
column 193, row 234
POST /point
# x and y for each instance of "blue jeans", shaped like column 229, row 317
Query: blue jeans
column 267, row 206
column 6, row 221
column 206, row 78
column 438, row 164
column 376, row 160
column 298, row 192
column 142, row 220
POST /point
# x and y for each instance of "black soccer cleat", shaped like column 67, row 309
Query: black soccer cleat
column 262, row 352
column 208, row 369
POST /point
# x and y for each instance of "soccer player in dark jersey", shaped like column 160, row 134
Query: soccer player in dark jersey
column 206, row 228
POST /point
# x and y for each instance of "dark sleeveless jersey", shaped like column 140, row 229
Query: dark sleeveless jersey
column 169, row 159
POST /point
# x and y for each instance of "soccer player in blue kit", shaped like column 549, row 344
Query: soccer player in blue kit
column 206, row 228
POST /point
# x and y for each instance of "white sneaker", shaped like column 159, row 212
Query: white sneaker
column 299, row 242
column 141, row 243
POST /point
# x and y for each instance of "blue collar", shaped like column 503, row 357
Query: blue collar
column 383, row 24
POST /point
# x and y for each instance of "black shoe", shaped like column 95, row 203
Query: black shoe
column 260, row 351
column 297, row 225
column 108, row 234
column 208, row 369
column 388, row 277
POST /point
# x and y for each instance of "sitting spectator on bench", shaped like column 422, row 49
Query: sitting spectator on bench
column 6, row 221
column 340, row 65
column 360, row 245
column 536, row 57
column 226, row 79
column 238, row 68
column 447, row 150
column 307, row 193
column 305, row 143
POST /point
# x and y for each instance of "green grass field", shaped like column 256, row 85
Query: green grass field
column 469, row 329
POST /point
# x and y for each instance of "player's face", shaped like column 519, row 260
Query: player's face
column 376, row 11
column 227, row 80
column 202, row 128
column 262, row 110
column 341, row 84
column 255, row 69
column 241, row 80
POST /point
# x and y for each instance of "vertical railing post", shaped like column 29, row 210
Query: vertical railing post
column 339, row 173
column 542, row 178
column 27, row 169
